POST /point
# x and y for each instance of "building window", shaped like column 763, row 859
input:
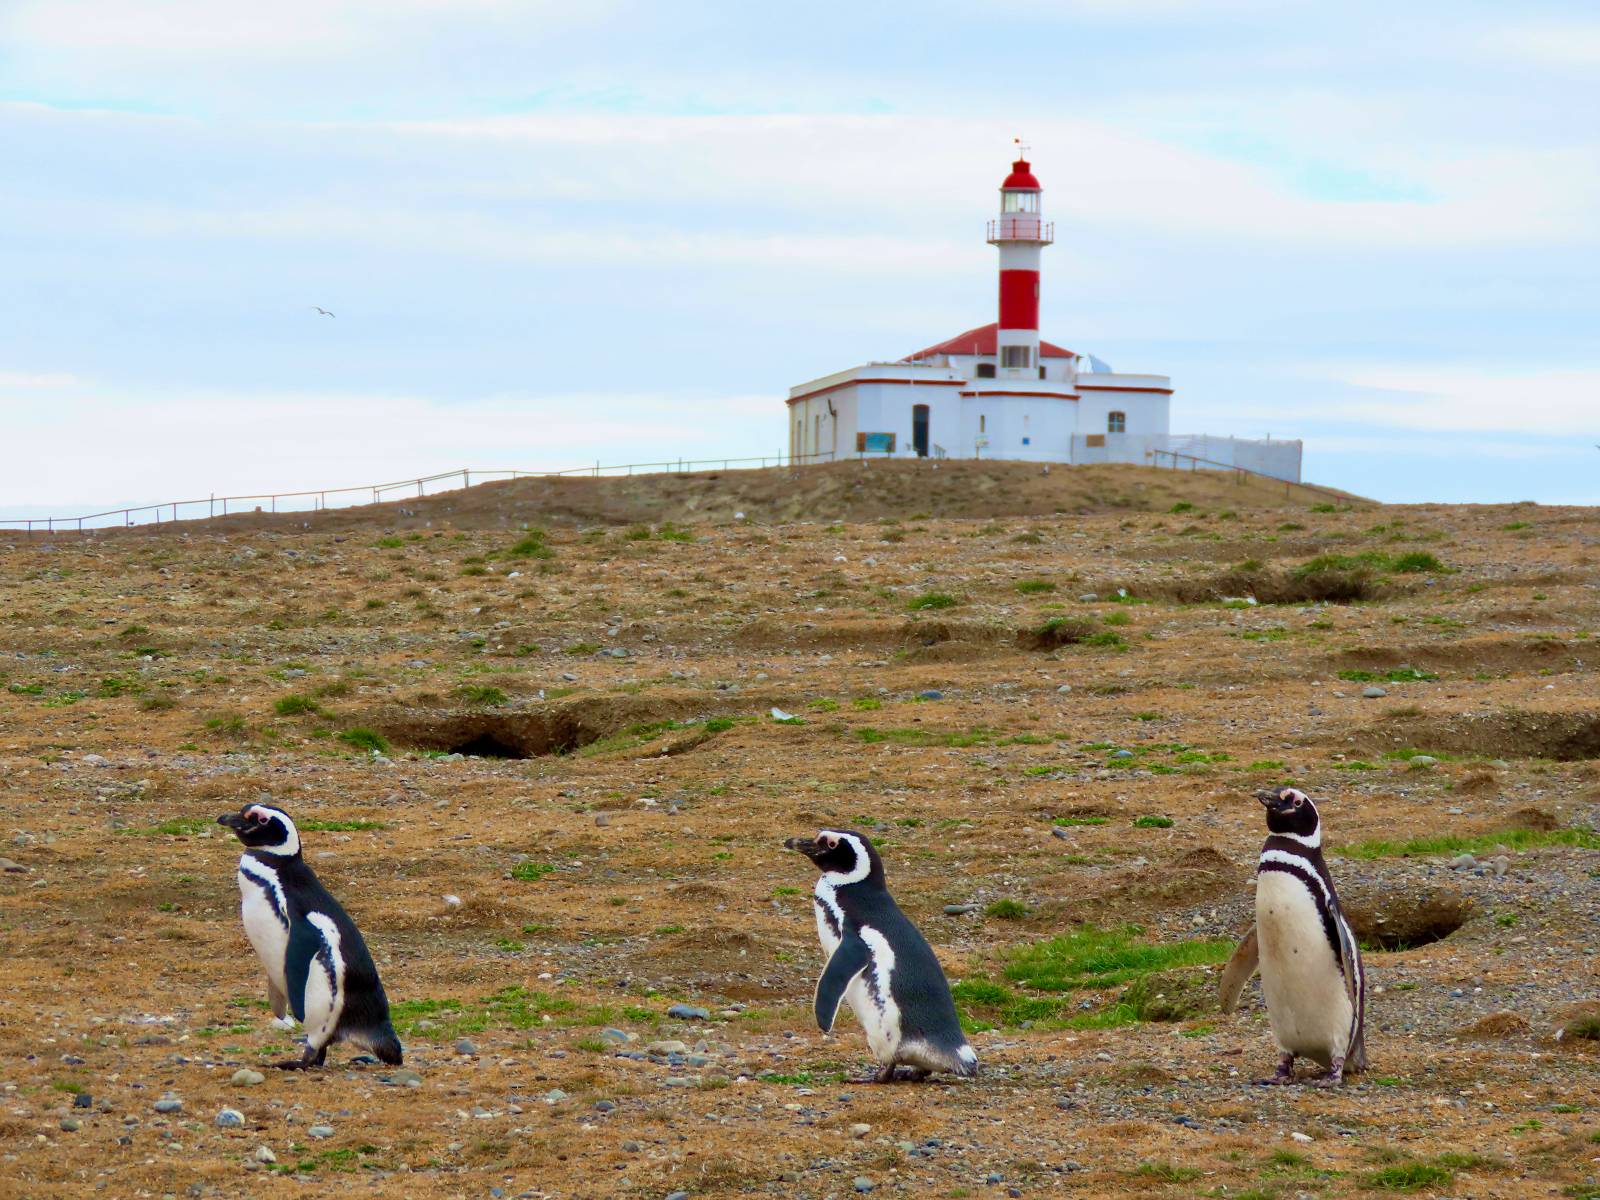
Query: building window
column 1016, row 356
column 985, row 370
column 1116, row 422
column 1020, row 202
column 983, row 423
column 919, row 429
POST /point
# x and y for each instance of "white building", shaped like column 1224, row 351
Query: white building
column 1001, row 392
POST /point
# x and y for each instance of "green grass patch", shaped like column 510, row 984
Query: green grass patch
column 1006, row 910
column 1096, row 958
column 363, row 738
column 928, row 737
column 1067, row 822
column 294, row 705
column 315, row 825
column 929, row 600
column 1410, row 674
column 1408, row 1177
column 1152, row 822
column 1515, row 839
column 178, row 827
column 1033, row 587
column 530, row 872
column 481, row 695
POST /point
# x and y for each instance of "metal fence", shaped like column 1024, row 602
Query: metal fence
column 316, row 501
column 1241, row 472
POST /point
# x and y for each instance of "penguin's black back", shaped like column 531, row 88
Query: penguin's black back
column 918, row 983
column 366, row 1007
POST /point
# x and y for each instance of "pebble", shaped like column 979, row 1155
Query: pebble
column 232, row 1118
column 1464, row 863
column 614, row 1037
column 956, row 910
column 669, row 1046
column 1123, row 754
column 405, row 1077
column 83, row 1100
column 1502, row 864
column 71, row 1124
column 245, row 1077
column 683, row 1195
column 860, row 1129
column 320, row 1131
column 1302, row 1137
column 1424, row 760
column 554, row 1096
column 264, row 1154
column 452, row 901
column 930, row 695
column 605, row 1106
column 994, row 1177
column 1088, row 598
column 631, row 1147
column 688, row 1012
column 465, row 1047
column 1060, row 832
column 568, row 675
column 1373, row 693
column 677, row 1081
column 1065, row 687
column 169, row 1106
column 7, row 865
column 602, row 820
column 863, row 1184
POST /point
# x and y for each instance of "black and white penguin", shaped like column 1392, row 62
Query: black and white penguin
column 879, row 964
column 317, row 965
column 1310, row 962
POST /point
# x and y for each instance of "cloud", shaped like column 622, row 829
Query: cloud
column 1546, row 404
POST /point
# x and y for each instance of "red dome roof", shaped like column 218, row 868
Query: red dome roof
column 981, row 341
column 1021, row 179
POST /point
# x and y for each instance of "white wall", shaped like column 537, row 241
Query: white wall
column 1046, row 421
column 1147, row 412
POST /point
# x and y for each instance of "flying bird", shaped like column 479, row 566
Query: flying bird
column 323, row 311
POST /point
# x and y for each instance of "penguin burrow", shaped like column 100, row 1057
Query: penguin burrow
column 317, row 966
column 879, row 964
column 1309, row 959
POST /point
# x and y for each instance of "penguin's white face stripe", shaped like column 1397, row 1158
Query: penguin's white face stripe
column 290, row 846
column 863, row 866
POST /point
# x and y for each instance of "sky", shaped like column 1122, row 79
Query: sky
column 555, row 233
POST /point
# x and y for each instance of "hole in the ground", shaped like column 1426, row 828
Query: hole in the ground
column 1405, row 922
column 486, row 745
column 1563, row 737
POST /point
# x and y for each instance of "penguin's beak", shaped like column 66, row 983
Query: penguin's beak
column 1274, row 800
column 231, row 820
column 806, row 846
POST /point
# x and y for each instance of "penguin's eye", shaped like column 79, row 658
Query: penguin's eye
column 1298, row 802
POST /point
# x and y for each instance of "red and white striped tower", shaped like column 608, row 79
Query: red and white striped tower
column 1020, row 233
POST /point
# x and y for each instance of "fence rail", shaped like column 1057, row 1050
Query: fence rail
column 171, row 511
column 1196, row 463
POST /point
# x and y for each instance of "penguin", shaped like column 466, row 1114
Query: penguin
column 879, row 964
column 1310, row 962
column 317, row 965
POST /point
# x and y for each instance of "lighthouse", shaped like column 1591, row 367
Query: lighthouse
column 1021, row 232
column 1001, row 392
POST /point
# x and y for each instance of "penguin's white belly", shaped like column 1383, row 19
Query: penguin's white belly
column 1307, row 1003
column 262, row 926
column 870, row 998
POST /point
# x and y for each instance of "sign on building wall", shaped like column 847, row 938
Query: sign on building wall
column 874, row 443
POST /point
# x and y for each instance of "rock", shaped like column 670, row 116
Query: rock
column 232, row 1118
column 1424, row 760
column 320, row 1131
column 696, row 1061
column 554, row 1096
column 7, row 865
column 667, row 1046
column 169, row 1106
column 83, row 1100
column 568, row 676
column 1373, row 693
column 1060, row 832
column 631, row 1147
column 1123, row 754
column 1464, row 862
column 677, row 1081
column 994, row 1177
column 71, row 1124
column 614, row 1037
column 264, row 1154
column 452, row 901
column 685, row 1195
column 863, row 1184
column 1501, row 865
column 605, row 1106
column 957, row 910
column 1088, row 598
column 1499, row 764
column 405, row 1077
column 930, row 694
column 1302, row 1137
column 860, row 1129
column 602, row 820
column 1180, row 994
column 245, row 1077
column 1065, row 687
column 688, row 1012
column 465, row 1047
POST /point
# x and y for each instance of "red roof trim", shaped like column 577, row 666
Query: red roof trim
column 981, row 341
column 1042, row 395
column 1112, row 387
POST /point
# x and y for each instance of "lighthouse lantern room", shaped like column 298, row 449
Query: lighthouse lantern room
column 998, row 391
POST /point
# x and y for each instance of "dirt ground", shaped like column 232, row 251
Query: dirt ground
column 551, row 776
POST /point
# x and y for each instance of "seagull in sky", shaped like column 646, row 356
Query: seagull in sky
column 323, row 311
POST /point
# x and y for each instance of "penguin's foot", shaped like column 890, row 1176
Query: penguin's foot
column 294, row 1064
column 885, row 1076
column 1284, row 1073
column 1333, row 1078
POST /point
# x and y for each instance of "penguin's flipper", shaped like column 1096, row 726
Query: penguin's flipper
column 850, row 959
column 1238, row 971
column 1355, row 1056
column 305, row 940
column 279, row 1002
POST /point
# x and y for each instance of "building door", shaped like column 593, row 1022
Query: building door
column 919, row 429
